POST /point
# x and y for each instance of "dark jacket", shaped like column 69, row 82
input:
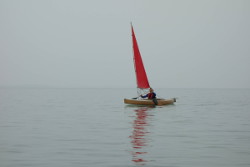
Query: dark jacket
column 150, row 95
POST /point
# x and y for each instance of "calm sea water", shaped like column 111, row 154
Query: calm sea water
column 92, row 127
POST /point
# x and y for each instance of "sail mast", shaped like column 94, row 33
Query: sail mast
column 141, row 76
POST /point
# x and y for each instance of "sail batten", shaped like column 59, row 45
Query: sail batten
column 141, row 76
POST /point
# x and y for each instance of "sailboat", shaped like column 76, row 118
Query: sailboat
column 143, row 86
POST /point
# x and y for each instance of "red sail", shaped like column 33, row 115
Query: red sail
column 141, row 76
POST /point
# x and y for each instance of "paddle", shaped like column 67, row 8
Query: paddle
column 136, row 97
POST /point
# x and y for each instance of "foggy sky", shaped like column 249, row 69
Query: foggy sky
column 74, row 43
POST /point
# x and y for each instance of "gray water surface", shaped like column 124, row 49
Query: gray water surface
column 92, row 127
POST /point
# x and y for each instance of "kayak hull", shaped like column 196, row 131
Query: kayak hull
column 149, row 101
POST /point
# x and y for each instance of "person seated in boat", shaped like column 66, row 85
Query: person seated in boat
column 150, row 95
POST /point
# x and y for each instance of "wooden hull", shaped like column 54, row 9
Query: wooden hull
column 149, row 102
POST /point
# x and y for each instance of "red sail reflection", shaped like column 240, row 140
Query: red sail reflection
column 139, row 140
